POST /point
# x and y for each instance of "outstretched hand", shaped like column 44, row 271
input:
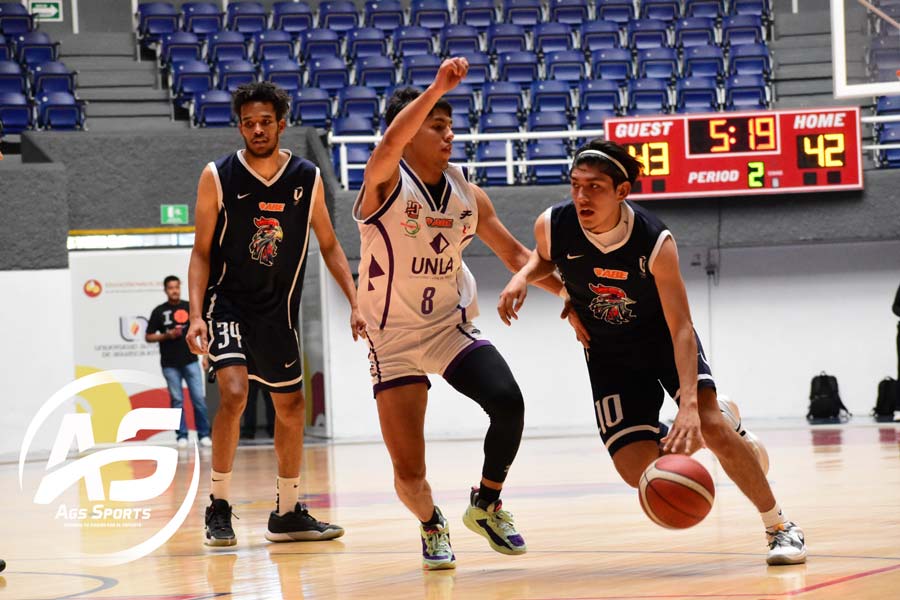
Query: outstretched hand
column 512, row 298
column 581, row 332
column 685, row 435
column 451, row 73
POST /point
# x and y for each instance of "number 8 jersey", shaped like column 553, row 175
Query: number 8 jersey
column 411, row 273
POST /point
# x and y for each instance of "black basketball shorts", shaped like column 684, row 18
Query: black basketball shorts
column 629, row 394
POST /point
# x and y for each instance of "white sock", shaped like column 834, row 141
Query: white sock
column 220, row 488
column 287, row 493
column 772, row 518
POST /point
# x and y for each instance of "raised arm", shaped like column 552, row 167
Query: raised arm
column 383, row 168
column 334, row 257
column 205, row 216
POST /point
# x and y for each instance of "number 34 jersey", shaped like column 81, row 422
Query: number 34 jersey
column 411, row 273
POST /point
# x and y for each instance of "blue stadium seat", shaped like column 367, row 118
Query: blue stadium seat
column 479, row 69
column 742, row 29
column 593, row 119
column 600, row 94
column 420, row 70
column 212, row 109
column 377, row 72
column 461, row 123
column 412, row 40
column 620, row 11
column 328, row 73
column 570, row 12
column 704, row 61
column 546, row 150
column 502, row 96
column 273, row 45
column 292, row 17
column 760, row 8
column 648, row 94
column 695, row 31
column 749, row 59
column 316, row 43
column 189, row 78
column 518, row 67
column 226, row 46
column 647, row 33
column 888, row 105
column 664, row 10
column 526, row 13
column 357, row 153
column 459, row 152
column 551, row 97
column 178, row 47
column 658, row 63
column 201, row 18
column 430, row 14
column 546, row 121
column 338, row 15
column 696, row 94
column 459, row 39
column 612, row 63
column 12, row 78
column 502, row 122
column 233, row 73
column 5, row 52
column 358, row 101
column 15, row 112
column 155, row 19
column 505, row 37
column 386, row 15
column 15, row 19
column 35, row 47
column 567, row 65
column 480, row 14
column 745, row 92
column 52, row 77
column 286, row 74
column 888, row 158
column 311, row 107
column 247, row 18
column 491, row 151
column 600, row 35
column 712, row 9
column 59, row 110
column 462, row 99
column 366, row 41
column 552, row 37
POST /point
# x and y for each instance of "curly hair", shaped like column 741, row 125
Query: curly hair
column 262, row 91
column 402, row 97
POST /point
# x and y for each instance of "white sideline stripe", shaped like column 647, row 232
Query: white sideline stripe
column 687, row 482
column 628, row 430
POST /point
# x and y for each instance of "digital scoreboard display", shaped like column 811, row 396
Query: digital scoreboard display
column 743, row 153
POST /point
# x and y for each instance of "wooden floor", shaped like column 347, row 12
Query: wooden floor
column 586, row 534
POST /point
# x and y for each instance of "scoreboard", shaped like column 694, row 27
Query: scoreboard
column 742, row 153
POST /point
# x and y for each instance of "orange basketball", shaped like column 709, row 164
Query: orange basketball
column 676, row 491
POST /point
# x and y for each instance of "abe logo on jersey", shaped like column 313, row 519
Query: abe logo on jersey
column 611, row 304
column 264, row 245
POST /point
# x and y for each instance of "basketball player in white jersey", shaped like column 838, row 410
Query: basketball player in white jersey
column 416, row 214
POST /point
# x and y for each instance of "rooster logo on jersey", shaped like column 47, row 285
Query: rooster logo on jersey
column 264, row 245
column 611, row 304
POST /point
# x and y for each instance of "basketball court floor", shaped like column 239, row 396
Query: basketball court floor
column 586, row 533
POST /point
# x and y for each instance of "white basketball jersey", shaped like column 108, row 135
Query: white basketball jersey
column 411, row 273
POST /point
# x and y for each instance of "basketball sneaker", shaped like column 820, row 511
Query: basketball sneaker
column 300, row 526
column 787, row 545
column 436, row 551
column 494, row 524
column 218, row 523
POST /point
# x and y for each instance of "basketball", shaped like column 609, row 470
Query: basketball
column 676, row 491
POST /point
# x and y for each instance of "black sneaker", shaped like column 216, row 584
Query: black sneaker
column 218, row 524
column 300, row 526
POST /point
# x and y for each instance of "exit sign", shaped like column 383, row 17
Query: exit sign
column 173, row 214
column 47, row 11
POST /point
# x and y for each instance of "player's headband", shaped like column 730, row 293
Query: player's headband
column 604, row 155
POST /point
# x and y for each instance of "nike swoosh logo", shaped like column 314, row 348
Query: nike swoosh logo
column 290, row 364
column 242, row 196
column 573, row 257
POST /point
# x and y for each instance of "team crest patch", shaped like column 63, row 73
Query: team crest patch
column 611, row 304
column 264, row 245
column 412, row 209
column 298, row 195
column 410, row 227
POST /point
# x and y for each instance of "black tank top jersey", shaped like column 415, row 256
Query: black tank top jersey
column 260, row 242
column 613, row 293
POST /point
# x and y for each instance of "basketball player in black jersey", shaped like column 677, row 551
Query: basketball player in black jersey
column 254, row 211
column 620, row 267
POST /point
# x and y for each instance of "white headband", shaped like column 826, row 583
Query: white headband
column 600, row 154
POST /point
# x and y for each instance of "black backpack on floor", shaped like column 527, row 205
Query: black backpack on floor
column 888, row 400
column 825, row 404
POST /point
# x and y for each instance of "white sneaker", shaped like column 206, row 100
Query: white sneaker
column 787, row 545
column 206, row 442
column 182, row 443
